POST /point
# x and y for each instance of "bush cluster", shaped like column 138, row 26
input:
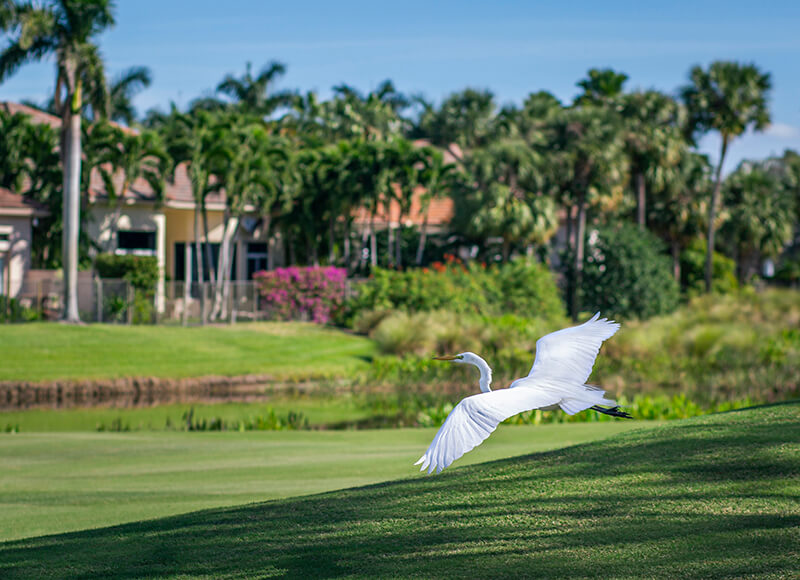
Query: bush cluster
column 12, row 311
column 311, row 293
column 141, row 272
column 627, row 275
column 521, row 287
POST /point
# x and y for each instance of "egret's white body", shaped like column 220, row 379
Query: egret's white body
column 563, row 363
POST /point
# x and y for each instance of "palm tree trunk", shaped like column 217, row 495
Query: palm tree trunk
column 347, row 247
column 187, row 282
column 72, row 199
column 331, row 243
column 712, row 211
column 423, row 238
column 580, row 235
column 390, row 243
column 640, row 205
column 198, row 252
column 676, row 261
column 373, row 243
column 209, row 256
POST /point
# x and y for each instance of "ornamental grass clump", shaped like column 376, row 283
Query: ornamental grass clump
column 294, row 293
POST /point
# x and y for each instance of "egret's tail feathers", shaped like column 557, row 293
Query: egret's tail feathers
column 614, row 411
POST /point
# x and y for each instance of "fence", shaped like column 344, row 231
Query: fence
column 118, row 302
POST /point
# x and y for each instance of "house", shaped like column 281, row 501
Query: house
column 18, row 216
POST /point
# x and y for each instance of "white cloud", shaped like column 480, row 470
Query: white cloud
column 782, row 131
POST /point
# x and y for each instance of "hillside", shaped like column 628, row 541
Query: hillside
column 714, row 496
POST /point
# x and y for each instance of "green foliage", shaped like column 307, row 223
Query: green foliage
column 626, row 274
column 693, row 263
column 140, row 271
column 12, row 311
column 522, row 287
column 268, row 421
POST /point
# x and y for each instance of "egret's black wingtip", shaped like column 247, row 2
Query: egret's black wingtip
column 614, row 412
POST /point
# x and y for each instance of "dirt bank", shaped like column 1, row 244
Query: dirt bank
column 145, row 391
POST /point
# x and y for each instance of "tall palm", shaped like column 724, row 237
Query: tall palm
column 123, row 158
column 601, row 86
column 588, row 167
column 254, row 93
column 123, row 88
column 66, row 29
column 761, row 214
column 465, row 119
column 437, row 178
column 653, row 125
column 728, row 97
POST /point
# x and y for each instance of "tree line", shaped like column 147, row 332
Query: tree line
column 305, row 166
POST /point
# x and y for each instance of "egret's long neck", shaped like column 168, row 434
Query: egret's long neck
column 486, row 373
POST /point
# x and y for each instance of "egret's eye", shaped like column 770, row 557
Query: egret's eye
column 460, row 357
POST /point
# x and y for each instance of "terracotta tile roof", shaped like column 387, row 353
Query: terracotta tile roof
column 15, row 203
column 37, row 116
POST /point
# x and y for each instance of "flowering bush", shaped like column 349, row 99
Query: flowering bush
column 294, row 293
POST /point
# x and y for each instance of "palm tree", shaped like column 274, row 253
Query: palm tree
column 66, row 29
column 601, row 86
column 437, row 178
column 761, row 214
column 465, row 119
column 729, row 97
column 588, row 167
column 679, row 202
column 123, row 88
column 253, row 93
column 653, row 124
column 123, row 158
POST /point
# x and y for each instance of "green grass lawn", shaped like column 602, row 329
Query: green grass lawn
column 70, row 481
column 715, row 496
column 46, row 351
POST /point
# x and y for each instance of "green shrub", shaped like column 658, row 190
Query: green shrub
column 522, row 287
column 693, row 271
column 142, row 273
column 627, row 275
column 12, row 311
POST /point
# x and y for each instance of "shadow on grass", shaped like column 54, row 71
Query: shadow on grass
column 713, row 497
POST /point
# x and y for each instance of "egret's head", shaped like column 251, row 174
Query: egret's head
column 464, row 357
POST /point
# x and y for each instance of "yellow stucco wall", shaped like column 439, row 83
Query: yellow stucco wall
column 180, row 228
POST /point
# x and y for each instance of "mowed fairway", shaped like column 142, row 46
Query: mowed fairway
column 42, row 352
column 711, row 497
column 58, row 482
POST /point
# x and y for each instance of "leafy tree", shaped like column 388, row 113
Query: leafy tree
column 626, row 274
column 65, row 29
column 728, row 97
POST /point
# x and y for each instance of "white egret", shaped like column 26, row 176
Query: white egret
column 563, row 363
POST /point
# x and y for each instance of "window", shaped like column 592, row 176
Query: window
column 256, row 258
column 180, row 261
column 140, row 243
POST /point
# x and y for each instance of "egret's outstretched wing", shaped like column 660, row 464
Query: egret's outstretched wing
column 474, row 419
column 567, row 356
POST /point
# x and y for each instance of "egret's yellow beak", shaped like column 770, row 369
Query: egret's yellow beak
column 452, row 357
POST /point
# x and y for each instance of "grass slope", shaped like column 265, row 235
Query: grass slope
column 73, row 481
column 46, row 351
column 714, row 496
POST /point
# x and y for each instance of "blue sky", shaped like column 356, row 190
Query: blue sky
column 435, row 48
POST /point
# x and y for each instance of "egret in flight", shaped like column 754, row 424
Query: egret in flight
column 564, row 360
